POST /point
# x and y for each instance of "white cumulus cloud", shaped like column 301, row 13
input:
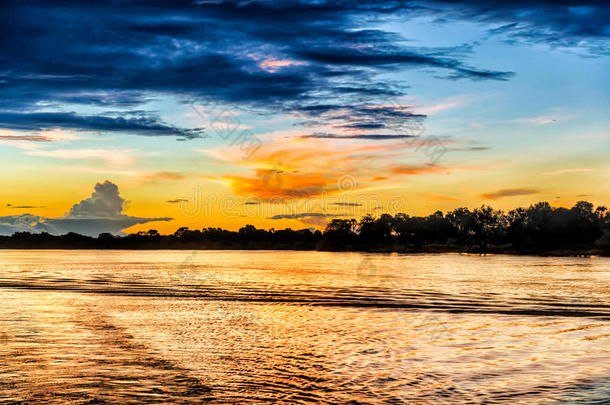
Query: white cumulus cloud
column 100, row 213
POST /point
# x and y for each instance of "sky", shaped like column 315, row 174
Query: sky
column 127, row 115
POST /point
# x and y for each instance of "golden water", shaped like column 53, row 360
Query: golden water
column 302, row 327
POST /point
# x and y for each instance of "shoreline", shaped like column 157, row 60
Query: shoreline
column 585, row 253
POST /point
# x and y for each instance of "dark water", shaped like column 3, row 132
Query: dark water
column 302, row 327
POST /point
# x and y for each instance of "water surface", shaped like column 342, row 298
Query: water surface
column 302, row 327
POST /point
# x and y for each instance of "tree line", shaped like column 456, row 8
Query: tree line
column 538, row 229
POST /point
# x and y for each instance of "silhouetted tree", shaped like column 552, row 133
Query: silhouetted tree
column 373, row 232
column 488, row 225
column 538, row 228
column 340, row 234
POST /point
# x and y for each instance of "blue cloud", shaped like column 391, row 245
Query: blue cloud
column 37, row 121
column 119, row 54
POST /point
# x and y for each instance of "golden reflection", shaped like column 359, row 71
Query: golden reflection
column 301, row 327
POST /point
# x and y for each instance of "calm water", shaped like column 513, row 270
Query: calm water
column 302, row 327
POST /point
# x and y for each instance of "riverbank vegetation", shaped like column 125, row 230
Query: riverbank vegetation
column 539, row 229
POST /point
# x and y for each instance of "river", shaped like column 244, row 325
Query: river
column 225, row 327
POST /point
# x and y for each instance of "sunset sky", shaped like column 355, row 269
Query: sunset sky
column 283, row 114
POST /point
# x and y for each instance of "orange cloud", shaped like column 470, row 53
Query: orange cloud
column 510, row 192
column 417, row 170
column 271, row 184
column 429, row 169
column 564, row 171
column 320, row 222
column 298, row 168
column 273, row 65
column 437, row 197
column 167, row 176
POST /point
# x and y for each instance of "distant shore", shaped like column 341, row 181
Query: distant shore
column 387, row 250
column 541, row 230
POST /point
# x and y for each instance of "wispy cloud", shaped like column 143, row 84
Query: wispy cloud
column 19, row 207
column 31, row 138
column 305, row 215
column 565, row 171
column 434, row 197
column 554, row 116
column 296, row 167
column 376, row 137
column 140, row 124
column 113, row 157
column 429, row 169
column 166, row 176
column 447, row 104
column 509, row 192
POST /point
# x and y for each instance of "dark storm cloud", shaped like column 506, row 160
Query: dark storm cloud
column 392, row 56
column 364, row 125
column 564, row 23
column 123, row 53
column 119, row 54
column 395, row 117
column 36, row 121
column 374, row 137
